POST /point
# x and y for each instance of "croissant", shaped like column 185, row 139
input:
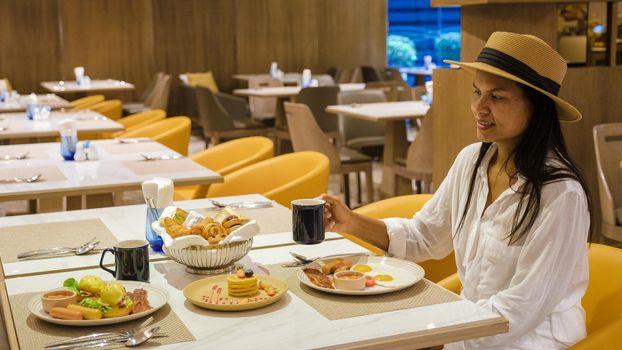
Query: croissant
column 174, row 229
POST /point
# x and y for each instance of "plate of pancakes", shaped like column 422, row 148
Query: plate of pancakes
column 235, row 293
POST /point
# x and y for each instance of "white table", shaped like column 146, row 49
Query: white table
column 128, row 222
column 109, row 174
column 287, row 91
column 287, row 79
column 19, row 127
column 21, row 103
column 63, row 87
column 291, row 323
column 394, row 114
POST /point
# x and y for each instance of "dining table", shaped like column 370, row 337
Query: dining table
column 39, row 172
column 112, row 224
column 21, row 102
column 283, row 94
column 419, row 316
column 288, row 91
column 16, row 126
column 394, row 115
column 95, row 85
column 287, row 78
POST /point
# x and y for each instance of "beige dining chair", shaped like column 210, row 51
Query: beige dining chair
column 362, row 135
column 218, row 124
column 418, row 163
column 263, row 107
column 156, row 97
column 608, row 148
column 317, row 99
column 404, row 91
column 307, row 136
column 389, row 88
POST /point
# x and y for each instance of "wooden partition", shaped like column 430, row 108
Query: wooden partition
column 592, row 90
column 131, row 40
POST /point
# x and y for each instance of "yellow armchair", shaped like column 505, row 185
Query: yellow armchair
column 87, row 101
column 283, row 178
column 226, row 158
column 602, row 301
column 172, row 132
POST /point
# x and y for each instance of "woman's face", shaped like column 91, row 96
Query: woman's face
column 501, row 109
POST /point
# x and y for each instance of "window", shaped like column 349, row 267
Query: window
column 417, row 30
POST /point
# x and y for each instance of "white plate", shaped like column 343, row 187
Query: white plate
column 410, row 273
column 156, row 295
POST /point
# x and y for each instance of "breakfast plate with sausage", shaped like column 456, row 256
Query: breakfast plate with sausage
column 93, row 302
column 360, row 275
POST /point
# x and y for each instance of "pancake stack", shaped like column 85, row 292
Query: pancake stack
column 242, row 287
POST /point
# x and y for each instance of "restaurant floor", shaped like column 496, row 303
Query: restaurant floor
column 197, row 144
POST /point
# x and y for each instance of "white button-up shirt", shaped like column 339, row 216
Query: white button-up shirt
column 536, row 284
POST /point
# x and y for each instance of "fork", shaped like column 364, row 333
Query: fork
column 162, row 157
column 95, row 336
column 23, row 179
column 242, row 205
column 10, row 157
column 132, row 140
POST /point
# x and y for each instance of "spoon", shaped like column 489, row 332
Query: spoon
column 141, row 337
column 23, row 179
column 96, row 336
column 162, row 157
column 10, row 157
column 133, row 340
column 242, row 205
column 79, row 250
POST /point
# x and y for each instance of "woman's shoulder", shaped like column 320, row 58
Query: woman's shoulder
column 468, row 155
column 562, row 189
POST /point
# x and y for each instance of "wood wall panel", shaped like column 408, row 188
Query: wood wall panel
column 110, row 38
column 197, row 36
column 29, row 43
column 478, row 22
column 454, row 125
column 352, row 32
column 132, row 40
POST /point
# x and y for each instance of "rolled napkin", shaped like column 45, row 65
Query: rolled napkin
column 79, row 73
column 159, row 189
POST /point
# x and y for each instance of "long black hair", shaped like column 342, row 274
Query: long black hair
column 542, row 158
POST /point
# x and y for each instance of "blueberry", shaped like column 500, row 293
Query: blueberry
column 248, row 273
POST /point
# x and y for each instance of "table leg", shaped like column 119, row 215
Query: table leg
column 395, row 145
column 52, row 204
column 101, row 200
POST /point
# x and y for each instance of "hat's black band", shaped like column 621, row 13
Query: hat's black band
column 517, row 68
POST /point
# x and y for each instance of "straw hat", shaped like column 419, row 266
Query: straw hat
column 528, row 60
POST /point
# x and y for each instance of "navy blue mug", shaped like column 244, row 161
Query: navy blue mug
column 308, row 221
column 131, row 260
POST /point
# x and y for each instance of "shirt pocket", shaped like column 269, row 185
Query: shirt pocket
column 498, row 265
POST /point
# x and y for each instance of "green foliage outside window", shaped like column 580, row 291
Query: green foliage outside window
column 447, row 46
column 401, row 51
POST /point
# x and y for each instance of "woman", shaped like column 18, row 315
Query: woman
column 514, row 207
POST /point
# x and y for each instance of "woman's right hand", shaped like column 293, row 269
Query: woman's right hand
column 337, row 215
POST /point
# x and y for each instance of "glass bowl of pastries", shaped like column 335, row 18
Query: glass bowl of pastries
column 205, row 244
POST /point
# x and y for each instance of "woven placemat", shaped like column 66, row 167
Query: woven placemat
column 138, row 147
column 48, row 173
column 146, row 167
column 275, row 219
column 17, row 239
column 336, row 306
column 34, row 152
column 33, row 333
